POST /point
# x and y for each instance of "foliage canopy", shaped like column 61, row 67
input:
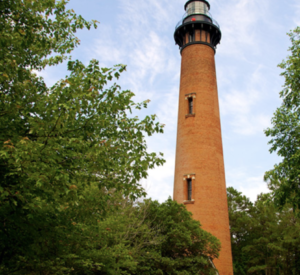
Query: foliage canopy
column 71, row 159
column 58, row 144
column 284, row 178
column 265, row 241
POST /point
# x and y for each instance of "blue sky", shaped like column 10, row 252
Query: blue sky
column 139, row 33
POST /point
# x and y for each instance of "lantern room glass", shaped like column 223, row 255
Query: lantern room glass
column 197, row 7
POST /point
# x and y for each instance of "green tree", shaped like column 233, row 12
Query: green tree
column 133, row 238
column 58, row 144
column 263, row 250
column 284, row 178
column 185, row 249
column 240, row 216
column 145, row 238
column 265, row 241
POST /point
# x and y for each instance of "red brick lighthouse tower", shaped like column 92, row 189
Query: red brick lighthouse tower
column 199, row 168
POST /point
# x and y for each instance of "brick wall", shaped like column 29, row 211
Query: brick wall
column 199, row 149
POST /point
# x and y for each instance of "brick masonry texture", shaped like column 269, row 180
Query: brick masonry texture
column 199, row 149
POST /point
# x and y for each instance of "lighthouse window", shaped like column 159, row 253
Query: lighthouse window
column 191, row 105
column 189, row 187
column 192, row 36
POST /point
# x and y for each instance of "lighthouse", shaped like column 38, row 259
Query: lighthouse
column 199, row 180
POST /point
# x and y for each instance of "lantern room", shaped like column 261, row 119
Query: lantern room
column 197, row 26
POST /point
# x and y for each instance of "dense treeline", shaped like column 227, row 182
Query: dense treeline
column 265, row 240
column 132, row 238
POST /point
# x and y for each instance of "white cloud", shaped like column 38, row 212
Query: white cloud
column 167, row 109
column 108, row 52
column 250, row 125
column 159, row 185
column 297, row 13
column 49, row 75
column 238, row 102
column 253, row 186
column 105, row 48
column 239, row 24
column 144, row 48
column 158, row 14
column 249, row 184
column 240, row 105
column 148, row 58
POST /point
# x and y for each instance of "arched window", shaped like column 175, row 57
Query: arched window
column 189, row 189
column 191, row 105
